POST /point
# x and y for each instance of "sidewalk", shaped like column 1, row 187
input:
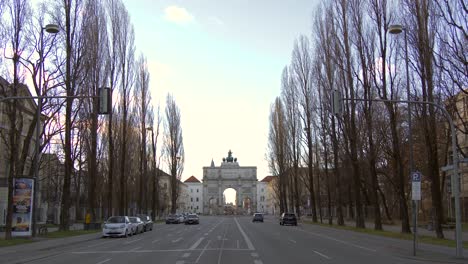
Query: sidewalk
column 448, row 233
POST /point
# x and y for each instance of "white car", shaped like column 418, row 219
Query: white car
column 181, row 218
column 119, row 226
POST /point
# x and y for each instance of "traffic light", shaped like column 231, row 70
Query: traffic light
column 105, row 101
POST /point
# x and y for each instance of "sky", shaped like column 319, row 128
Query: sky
column 222, row 61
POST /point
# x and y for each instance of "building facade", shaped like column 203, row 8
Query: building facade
column 195, row 192
column 25, row 115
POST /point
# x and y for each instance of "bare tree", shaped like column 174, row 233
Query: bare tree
column 344, row 57
column 143, row 97
column 301, row 67
column 126, row 52
column 277, row 150
column 68, row 15
column 95, row 62
column 173, row 146
column 114, row 10
column 326, row 72
column 365, row 42
column 421, row 14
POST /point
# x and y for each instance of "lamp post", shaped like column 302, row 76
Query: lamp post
column 52, row 29
column 397, row 29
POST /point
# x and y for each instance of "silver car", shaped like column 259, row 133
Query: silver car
column 138, row 225
column 118, row 226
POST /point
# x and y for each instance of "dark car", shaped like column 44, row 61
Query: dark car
column 192, row 219
column 147, row 221
column 172, row 219
column 257, row 217
column 288, row 219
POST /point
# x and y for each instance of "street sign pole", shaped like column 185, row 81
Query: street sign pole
column 416, row 197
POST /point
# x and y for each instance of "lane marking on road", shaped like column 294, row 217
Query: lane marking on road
column 254, row 254
column 323, row 255
column 337, row 240
column 203, row 251
column 246, row 238
column 156, row 241
column 104, row 261
column 177, row 240
column 258, row 261
column 222, row 244
column 156, row 251
column 186, row 255
column 129, row 242
column 206, row 234
column 194, row 246
column 135, row 249
column 294, row 241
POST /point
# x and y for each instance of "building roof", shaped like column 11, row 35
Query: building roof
column 192, row 179
column 268, row 178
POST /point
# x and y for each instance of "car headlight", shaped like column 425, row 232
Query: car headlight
column 106, row 227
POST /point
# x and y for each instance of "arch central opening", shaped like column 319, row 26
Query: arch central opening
column 230, row 201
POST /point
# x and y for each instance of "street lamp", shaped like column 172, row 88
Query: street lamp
column 51, row 29
column 397, row 29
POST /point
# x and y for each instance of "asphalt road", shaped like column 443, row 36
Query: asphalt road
column 234, row 239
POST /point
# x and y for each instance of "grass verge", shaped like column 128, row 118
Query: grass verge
column 14, row 241
column 421, row 238
column 62, row 234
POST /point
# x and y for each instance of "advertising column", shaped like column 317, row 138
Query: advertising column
column 22, row 206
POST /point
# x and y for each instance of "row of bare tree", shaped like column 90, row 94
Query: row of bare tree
column 110, row 156
column 360, row 160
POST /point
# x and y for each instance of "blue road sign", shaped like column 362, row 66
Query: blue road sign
column 416, row 176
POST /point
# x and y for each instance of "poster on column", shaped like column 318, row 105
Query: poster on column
column 23, row 192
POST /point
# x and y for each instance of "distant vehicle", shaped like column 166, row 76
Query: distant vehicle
column 181, row 218
column 147, row 221
column 139, row 226
column 192, row 219
column 172, row 219
column 288, row 219
column 117, row 226
column 258, row 217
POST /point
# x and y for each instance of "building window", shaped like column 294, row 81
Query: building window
column 191, row 199
column 262, row 189
column 197, row 189
column 197, row 199
column 197, row 207
column 191, row 190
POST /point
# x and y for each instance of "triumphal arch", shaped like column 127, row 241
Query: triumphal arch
column 229, row 175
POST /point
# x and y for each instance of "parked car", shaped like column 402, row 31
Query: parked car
column 258, row 217
column 117, row 226
column 138, row 224
column 147, row 221
column 172, row 219
column 181, row 218
column 192, row 219
column 288, row 219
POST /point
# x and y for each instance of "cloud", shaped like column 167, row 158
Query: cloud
column 216, row 21
column 178, row 15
